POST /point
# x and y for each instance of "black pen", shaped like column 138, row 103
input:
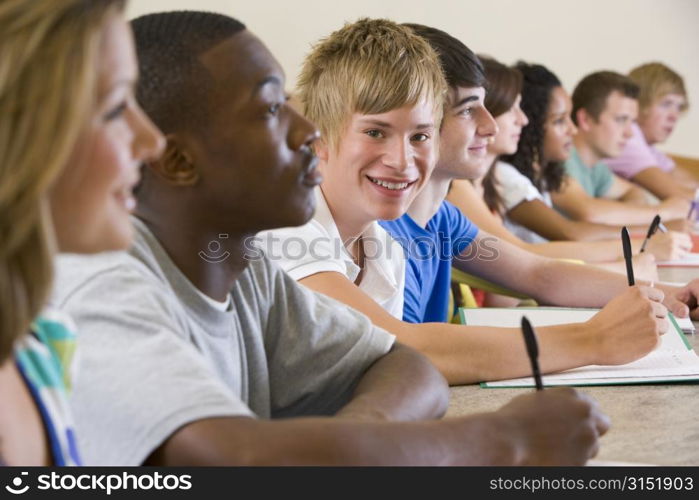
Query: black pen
column 628, row 255
column 651, row 231
column 532, row 351
column 692, row 207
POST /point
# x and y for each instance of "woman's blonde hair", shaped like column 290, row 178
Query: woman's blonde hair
column 656, row 80
column 48, row 88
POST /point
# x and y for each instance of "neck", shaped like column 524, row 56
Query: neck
column 490, row 160
column 210, row 260
column 585, row 152
column 645, row 136
column 350, row 224
column 430, row 198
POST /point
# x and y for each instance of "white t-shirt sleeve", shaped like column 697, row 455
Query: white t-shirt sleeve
column 303, row 251
column 513, row 187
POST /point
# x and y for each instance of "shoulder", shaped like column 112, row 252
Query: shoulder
column 508, row 174
column 573, row 165
column 636, row 156
column 111, row 272
column 451, row 217
column 55, row 332
column 403, row 229
column 513, row 186
column 601, row 169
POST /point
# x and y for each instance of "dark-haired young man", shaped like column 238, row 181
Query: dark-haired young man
column 605, row 107
column 200, row 357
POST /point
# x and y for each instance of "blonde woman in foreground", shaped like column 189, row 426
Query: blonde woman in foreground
column 71, row 141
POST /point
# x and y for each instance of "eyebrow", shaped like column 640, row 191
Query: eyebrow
column 113, row 86
column 383, row 124
column 557, row 113
column 466, row 100
column 270, row 80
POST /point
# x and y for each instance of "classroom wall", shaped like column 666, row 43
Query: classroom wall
column 571, row 37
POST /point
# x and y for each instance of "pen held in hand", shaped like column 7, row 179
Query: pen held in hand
column 532, row 350
column 654, row 225
column 628, row 255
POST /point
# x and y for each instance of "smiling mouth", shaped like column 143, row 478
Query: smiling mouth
column 393, row 186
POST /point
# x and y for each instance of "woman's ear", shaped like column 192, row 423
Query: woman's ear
column 175, row 165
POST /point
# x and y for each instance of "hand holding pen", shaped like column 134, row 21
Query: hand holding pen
column 652, row 229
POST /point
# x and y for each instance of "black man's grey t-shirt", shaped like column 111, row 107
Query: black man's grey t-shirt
column 154, row 355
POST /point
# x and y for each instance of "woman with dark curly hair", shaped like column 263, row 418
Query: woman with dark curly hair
column 525, row 179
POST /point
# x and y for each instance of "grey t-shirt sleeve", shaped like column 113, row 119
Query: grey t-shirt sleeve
column 140, row 379
column 318, row 348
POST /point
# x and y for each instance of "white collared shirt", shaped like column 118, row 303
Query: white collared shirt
column 317, row 247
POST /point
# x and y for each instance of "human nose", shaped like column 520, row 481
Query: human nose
column 522, row 117
column 302, row 132
column 398, row 155
column 149, row 142
column 487, row 126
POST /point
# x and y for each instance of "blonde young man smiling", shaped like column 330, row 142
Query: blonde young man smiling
column 395, row 142
column 377, row 151
column 605, row 107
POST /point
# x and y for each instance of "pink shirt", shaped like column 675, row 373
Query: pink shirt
column 638, row 155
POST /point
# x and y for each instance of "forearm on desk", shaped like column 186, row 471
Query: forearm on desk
column 402, row 385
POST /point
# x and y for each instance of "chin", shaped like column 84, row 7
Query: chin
column 115, row 239
column 297, row 216
column 390, row 214
column 475, row 173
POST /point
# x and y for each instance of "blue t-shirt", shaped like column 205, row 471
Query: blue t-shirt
column 429, row 253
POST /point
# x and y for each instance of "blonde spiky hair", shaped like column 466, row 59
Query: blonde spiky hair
column 371, row 66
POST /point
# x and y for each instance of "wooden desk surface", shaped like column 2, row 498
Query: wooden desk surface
column 651, row 424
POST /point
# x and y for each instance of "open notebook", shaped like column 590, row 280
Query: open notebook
column 673, row 361
column 689, row 260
